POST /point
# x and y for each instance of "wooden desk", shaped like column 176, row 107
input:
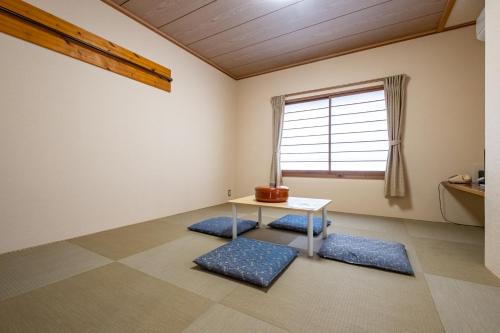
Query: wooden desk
column 469, row 188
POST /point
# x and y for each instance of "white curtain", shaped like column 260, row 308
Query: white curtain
column 278, row 107
column 395, row 99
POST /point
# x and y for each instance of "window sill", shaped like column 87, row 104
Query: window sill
column 376, row 175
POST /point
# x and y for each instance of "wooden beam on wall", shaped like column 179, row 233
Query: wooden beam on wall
column 446, row 14
column 22, row 20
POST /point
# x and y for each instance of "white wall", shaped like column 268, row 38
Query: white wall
column 492, row 226
column 444, row 132
column 84, row 150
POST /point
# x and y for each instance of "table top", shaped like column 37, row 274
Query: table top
column 470, row 188
column 294, row 203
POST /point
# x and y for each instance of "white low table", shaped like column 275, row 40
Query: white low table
column 307, row 205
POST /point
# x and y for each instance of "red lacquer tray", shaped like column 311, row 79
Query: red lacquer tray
column 271, row 194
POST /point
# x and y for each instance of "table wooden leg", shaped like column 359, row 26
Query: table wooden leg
column 325, row 223
column 235, row 222
column 259, row 221
column 310, row 239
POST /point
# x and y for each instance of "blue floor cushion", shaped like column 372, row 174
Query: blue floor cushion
column 298, row 223
column 363, row 251
column 249, row 260
column 222, row 226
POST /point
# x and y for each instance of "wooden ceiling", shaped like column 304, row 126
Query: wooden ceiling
column 244, row 38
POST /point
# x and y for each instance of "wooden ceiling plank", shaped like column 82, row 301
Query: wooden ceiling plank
column 221, row 16
column 245, row 59
column 160, row 12
column 188, row 13
column 358, row 22
column 299, row 16
column 362, row 48
column 74, row 31
column 356, row 41
column 446, row 14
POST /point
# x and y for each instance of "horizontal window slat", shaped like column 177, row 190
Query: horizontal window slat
column 342, row 129
column 376, row 95
column 302, row 141
column 307, row 123
column 302, row 144
column 359, row 146
column 291, row 120
column 294, row 128
column 305, row 149
column 308, row 161
column 359, row 141
column 307, row 105
column 314, row 152
column 368, row 136
column 356, row 103
column 359, row 118
column 323, row 112
column 307, row 131
column 356, row 161
column 360, row 112
column 306, row 110
column 303, row 136
column 360, row 122
column 359, row 151
column 338, row 133
column 355, row 108
column 305, row 140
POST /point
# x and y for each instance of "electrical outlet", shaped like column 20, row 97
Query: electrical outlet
column 229, row 193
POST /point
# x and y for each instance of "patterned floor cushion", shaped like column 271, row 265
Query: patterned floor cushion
column 363, row 251
column 249, row 260
column 222, row 226
column 298, row 223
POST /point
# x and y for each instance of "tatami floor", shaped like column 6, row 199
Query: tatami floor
column 141, row 278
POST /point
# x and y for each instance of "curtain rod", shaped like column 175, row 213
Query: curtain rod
column 335, row 87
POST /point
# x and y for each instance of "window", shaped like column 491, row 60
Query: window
column 336, row 136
